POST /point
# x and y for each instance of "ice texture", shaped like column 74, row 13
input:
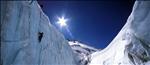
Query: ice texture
column 28, row 38
column 132, row 44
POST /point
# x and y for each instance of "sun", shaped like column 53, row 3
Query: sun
column 62, row 21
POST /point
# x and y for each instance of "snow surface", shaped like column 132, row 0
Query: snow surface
column 82, row 51
column 28, row 38
column 132, row 44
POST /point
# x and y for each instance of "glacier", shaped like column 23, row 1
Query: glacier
column 28, row 38
column 82, row 51
column 132, row 44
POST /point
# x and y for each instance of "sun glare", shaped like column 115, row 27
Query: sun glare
column 62, row 21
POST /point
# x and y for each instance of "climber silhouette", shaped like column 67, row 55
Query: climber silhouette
column 40, row 35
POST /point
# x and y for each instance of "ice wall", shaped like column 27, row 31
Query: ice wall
column 132, row 44
column 28, row 38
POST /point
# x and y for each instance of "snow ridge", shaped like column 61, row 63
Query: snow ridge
column 82, row 51
column 132, row 44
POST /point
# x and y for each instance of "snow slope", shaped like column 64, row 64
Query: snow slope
column 28, row 38
column 132, row 44
column 82, row 51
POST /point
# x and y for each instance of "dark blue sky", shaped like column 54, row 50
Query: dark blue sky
column 95, row 23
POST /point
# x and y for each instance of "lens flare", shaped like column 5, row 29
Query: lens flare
column 62, row 21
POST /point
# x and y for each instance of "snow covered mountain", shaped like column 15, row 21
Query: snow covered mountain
column 132, row 44
column 28, row 38
column 82, row 51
